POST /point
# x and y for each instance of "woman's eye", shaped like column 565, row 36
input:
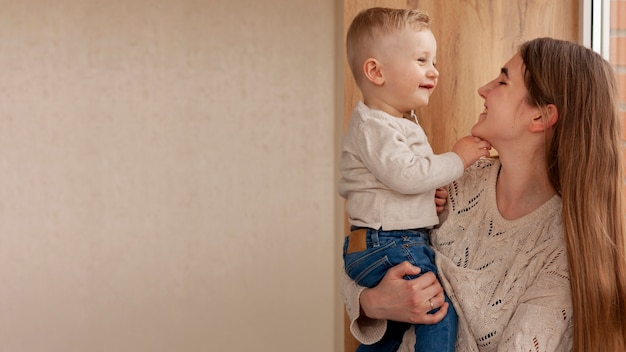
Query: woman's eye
column 501, row 83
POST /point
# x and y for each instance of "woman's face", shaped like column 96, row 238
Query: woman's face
column 507, row 113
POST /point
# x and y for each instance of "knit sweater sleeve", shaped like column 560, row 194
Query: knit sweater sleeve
column 364, row 329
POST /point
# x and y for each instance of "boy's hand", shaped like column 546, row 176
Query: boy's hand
column 470, row 149
column 441, row 198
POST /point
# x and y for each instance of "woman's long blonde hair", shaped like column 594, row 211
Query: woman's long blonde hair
column 584, row 163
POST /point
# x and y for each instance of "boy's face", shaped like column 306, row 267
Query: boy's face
column 407, row 61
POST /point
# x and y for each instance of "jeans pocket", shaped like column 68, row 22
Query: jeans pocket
column 368, row 267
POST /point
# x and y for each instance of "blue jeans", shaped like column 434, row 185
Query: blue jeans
column 385, row 249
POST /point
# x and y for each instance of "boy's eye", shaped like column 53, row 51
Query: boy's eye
column 421, row 59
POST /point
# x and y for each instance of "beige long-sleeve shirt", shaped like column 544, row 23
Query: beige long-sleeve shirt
column 390, row 173
column 508, row 280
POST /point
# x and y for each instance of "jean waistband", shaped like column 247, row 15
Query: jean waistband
column 420, row 229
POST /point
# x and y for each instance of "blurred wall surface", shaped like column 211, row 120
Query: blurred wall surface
column 167, row 176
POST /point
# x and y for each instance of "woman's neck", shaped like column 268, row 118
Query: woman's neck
column 522, row 187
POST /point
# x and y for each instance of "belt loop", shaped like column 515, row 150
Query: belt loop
column 374, row 237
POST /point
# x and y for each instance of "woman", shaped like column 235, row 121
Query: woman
column 532, row 251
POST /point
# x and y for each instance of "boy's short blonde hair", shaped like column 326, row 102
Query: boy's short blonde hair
column 371, row 24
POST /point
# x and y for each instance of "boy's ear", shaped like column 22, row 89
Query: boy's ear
column 548, row 118
column 373, row 72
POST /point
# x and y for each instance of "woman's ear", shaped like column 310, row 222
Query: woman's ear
column 373, row 72
column 548, row 118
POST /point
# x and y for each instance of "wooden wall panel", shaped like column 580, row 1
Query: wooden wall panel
column 475, row 38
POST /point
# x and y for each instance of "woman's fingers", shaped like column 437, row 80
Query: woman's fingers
column 433, row 318
column 403, row 269
column 396, row 298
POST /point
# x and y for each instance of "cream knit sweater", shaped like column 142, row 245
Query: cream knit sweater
column 508, row 280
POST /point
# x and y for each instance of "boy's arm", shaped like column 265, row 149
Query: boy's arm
column 386, row 153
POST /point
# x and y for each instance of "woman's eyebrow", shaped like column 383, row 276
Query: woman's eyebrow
column 505, row 71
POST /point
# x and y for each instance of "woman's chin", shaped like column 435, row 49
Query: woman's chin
column 476, row 132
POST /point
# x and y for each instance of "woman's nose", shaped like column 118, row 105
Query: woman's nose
column 482, row 91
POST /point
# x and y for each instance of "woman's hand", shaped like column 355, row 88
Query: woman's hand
column 396, row 298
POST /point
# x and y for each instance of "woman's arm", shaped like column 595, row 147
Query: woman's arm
column 394, row 298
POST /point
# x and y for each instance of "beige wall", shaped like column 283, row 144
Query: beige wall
column 167, row 176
